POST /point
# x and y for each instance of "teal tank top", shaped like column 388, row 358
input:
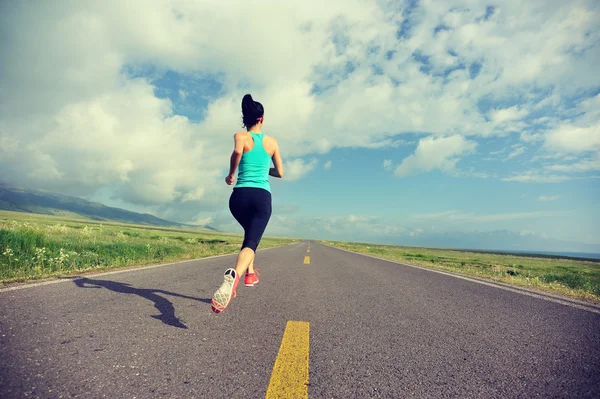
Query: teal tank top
column 253, row 170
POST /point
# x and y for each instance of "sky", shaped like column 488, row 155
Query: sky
column 399, row 122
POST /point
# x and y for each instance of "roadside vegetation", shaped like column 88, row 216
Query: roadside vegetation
column 573, row 278
column 36, row 246
column 39, row 246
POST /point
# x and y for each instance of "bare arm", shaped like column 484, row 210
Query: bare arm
column 236, row 156
column 277, row 171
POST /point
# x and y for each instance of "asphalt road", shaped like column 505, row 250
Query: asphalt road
column 377, row 330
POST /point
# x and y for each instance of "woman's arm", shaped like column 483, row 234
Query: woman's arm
column 236, row 156
column 277, row 171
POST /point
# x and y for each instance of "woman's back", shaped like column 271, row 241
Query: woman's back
column 253, row 170
column 269, row 143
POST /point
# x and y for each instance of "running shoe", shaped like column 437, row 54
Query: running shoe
column 251, row 279
column 226, row 291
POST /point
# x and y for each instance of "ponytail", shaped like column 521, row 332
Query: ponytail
column 252, row 111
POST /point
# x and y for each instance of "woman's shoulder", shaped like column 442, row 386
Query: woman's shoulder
column 270, row 138
column 241, row 135
column 270, row 144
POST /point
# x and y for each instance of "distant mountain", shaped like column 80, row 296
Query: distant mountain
column 34, row 201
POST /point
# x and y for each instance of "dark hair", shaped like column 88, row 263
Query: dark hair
column 251, row 111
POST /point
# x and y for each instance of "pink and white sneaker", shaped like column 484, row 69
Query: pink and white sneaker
column 251, row 279
column 226, row 291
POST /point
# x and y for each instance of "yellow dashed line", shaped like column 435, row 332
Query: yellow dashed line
column 289, row 379
column 307, row 260
column 308, row 250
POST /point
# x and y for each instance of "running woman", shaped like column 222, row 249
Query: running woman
column 250, row 201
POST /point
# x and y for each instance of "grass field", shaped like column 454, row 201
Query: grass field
column 36, row 246
column 574, row 278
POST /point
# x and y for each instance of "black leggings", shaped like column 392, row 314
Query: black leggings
column 251, row 207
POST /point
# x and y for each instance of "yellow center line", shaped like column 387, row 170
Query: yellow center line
column 308, row 250
column 289, row 379
column 307, row 260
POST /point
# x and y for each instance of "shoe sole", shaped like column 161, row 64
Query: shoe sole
column 223, row 295
column 251, row 285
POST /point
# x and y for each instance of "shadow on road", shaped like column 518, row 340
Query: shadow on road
column 163, row 305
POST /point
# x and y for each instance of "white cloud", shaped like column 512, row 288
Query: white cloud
column 435, row 216
column 327, row 165
column 481, row 175
column 533, row 176
column 470, row 172
column 203, row 221
column 387, row 164
column 459, row 216
column 194, row 195
column 436, row 153
column 416, row 232
column 530, row 138
column 585, row 165
column 548, row 198
column 296, row 168
column 507, row 114
column 536, row 176
column 554, row 156
column 526, row 233
column 517, row 150
column 570, row 138
column 153, row 155
column 580, row 135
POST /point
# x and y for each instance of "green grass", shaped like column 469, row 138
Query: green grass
column 574, row 278
column 36, row 246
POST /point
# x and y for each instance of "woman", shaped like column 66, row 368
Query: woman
column 250, row 201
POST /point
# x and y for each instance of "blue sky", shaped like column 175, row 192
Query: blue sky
column 399, row 122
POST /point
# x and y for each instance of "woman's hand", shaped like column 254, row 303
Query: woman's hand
column 230, row 179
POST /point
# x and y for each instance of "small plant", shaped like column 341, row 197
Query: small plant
column 132, row 234
column 87, row 231
column 62, row 259
column 120, row 236
column 57, row 228
column 9, row 254
column 38, row 259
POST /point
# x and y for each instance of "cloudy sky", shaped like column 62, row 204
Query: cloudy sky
column 395, row 119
